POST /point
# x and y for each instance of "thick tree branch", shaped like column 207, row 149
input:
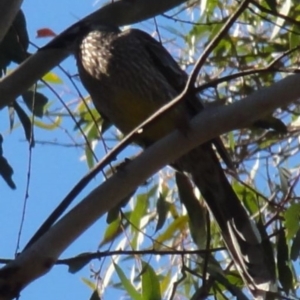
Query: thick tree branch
column 117, row 13
column 8, row 12
column 39, row 258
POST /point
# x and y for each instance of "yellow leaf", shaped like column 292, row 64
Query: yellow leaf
column 51, row 126
column 52, row 78
column 178, row 224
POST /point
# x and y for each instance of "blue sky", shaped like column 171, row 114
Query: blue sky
column 54, row 170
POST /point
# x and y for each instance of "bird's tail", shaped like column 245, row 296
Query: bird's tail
column 239, row 232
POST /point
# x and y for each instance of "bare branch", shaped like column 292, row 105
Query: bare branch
column 214, row 42
column 117, row 13
column 8, row 12
column 40, row 257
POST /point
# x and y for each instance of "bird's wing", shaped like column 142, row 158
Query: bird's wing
column 177, row 78
column 163, row 61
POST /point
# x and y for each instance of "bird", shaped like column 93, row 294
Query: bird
column 130, row 75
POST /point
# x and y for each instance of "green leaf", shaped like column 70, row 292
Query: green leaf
column 285, row 278
column 272, row 5
column 113, row 230
column 231, row 141
column 291, row 220
column 6, row 171
column 131, row 290
column 235, row 279
column 89, row 155
column 196, row 211
column 269, row 140
column 89, row 283
column 282, row 248
column 26, row 123
column 150, row 283
column 249, row 198
column 92, row 131
column 165, row 282
column 79, row 262
column 35, row 102
column 294, row 38
column 114, row 213
column 284, row 272
column 139, row 210
column 295, row 249
column 95, row 296
column 232, row 282
column 162, row 207
column 137, row 214
column 284, row 175
column 267, row 247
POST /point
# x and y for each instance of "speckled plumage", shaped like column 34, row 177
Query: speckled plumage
column 111, row 62
column 129, row 75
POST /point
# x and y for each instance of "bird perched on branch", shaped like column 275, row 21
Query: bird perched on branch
column 129, row 76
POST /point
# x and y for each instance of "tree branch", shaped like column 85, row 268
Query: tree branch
column 40, row 257
column 116, row 13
